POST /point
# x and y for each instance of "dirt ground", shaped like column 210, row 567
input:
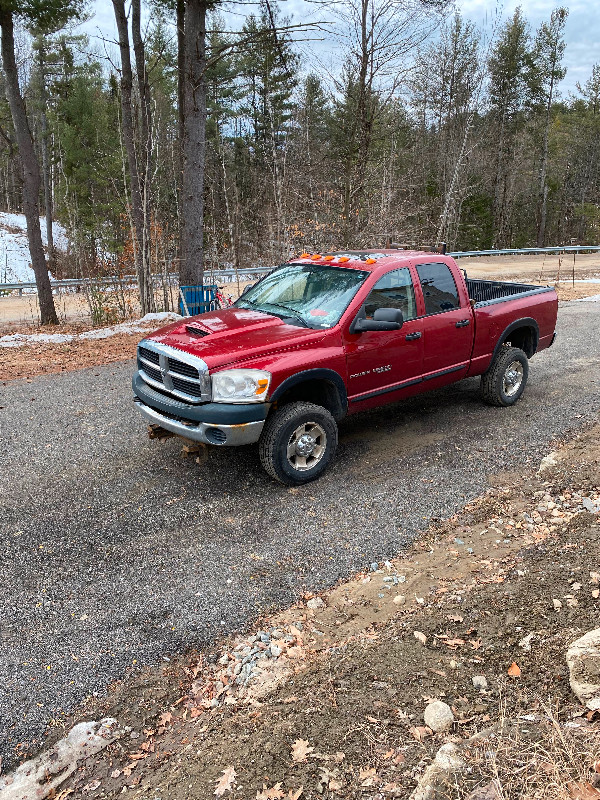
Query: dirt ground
column 336, row 711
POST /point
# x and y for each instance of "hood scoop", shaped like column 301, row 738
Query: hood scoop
column 199, row 332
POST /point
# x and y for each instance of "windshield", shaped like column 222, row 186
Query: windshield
column 310, row 295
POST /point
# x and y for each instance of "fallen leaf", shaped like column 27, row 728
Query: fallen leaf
column 129, row 768
column 165, row 719
column 595, row 593
column 475, row 643
column 514, row 670
column 367, row 776
column 226, row 781
column 301, row 750
column 454, row 643
column 583, row 791
column 291, row 795
column 91, row 787
column 420, row 732
column 334, row 785
column 420, row 636
column 596, row 766
column 115, row 773
column 487, row 792
column 274, row 793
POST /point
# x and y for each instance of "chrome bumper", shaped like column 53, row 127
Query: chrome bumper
column 207, row 432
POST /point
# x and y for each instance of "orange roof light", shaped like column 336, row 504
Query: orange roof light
column 370, row 261
column 343, row 259
column 304, row 255
column 328, row 258
column 316, row 257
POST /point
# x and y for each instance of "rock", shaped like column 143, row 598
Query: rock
column 275, row 651
column 480, row 681
column 548, row 462
column 400, row 599
column 590, row 506
column 438, row 716
column 41, row 776
column 420, row 636
column 583, row 659
column 314, row 603
column 487, row 792
column 557, row 604
column 441, row 775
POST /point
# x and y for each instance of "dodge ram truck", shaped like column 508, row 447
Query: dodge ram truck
column 324, row 336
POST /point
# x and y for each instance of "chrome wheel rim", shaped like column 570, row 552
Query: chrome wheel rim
column 513, row 378
column 306, row 446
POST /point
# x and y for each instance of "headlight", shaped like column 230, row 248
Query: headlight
column 240, row 386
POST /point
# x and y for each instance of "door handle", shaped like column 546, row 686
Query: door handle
column 463, row 323
column 410, row 336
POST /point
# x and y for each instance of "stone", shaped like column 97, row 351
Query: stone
column 400, row 600
column 315, row 603
column 583, row 659
column 441, row 775
column 590, row 506
column 480, row 681
column 438, row 716
column 548, row 462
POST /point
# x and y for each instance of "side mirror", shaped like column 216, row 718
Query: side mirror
column 384, row 319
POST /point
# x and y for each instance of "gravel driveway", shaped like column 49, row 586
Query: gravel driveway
column 117, row 551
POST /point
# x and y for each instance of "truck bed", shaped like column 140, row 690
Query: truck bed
column 485, row 293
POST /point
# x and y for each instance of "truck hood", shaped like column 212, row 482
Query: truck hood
column 233, row 335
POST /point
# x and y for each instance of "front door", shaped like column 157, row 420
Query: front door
column 386, row 362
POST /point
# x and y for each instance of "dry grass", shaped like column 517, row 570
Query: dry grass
column 551, row 758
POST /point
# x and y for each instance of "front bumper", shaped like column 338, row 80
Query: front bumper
column 221, row 424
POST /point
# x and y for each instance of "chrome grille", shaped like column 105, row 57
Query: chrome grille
column 172, row 371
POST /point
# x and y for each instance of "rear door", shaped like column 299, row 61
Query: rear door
column 383, row 362
column 447, row 326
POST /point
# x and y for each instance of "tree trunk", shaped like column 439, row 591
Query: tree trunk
column 30, row 169
column 191, row 269
column 45, row 157
column 137, row 210
column 145, row 146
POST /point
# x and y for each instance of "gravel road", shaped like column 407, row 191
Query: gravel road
column 117, row 551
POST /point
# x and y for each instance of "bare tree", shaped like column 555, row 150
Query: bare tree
column 30, row 167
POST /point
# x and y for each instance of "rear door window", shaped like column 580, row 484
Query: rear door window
column 394, row 290
column 439, row 288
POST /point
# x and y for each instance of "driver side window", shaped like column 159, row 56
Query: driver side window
column 394, row 290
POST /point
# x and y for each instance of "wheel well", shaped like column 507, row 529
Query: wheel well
column 525, row 338
column 315, row 390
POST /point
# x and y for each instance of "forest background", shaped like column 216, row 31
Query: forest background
column 196, row 142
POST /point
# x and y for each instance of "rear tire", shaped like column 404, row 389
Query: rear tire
column 504, row 382
column 298, row 443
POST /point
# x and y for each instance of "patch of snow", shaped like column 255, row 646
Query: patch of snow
column 593, row 299
column 134, row 326
column 15, row 261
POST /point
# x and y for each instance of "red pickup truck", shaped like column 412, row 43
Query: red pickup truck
column 324, row 336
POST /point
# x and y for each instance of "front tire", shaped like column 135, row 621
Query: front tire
column 298, row 443
column 504, row 382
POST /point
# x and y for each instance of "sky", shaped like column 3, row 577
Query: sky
column 582, row 33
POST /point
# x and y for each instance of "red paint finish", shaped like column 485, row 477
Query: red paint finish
column 377, row 367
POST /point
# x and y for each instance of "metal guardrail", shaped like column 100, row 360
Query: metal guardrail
column 525, row 251
column 223, row 275
column 227, row 275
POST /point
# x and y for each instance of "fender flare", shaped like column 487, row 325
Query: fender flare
column 318, row 374
column 525, row 322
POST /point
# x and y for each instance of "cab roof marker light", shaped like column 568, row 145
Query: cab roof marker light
column 343, row 259
column 328, row 258
column 370, row 261
column 316, row 257
column 305, row 255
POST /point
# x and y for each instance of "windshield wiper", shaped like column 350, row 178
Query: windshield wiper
column 296, row 314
